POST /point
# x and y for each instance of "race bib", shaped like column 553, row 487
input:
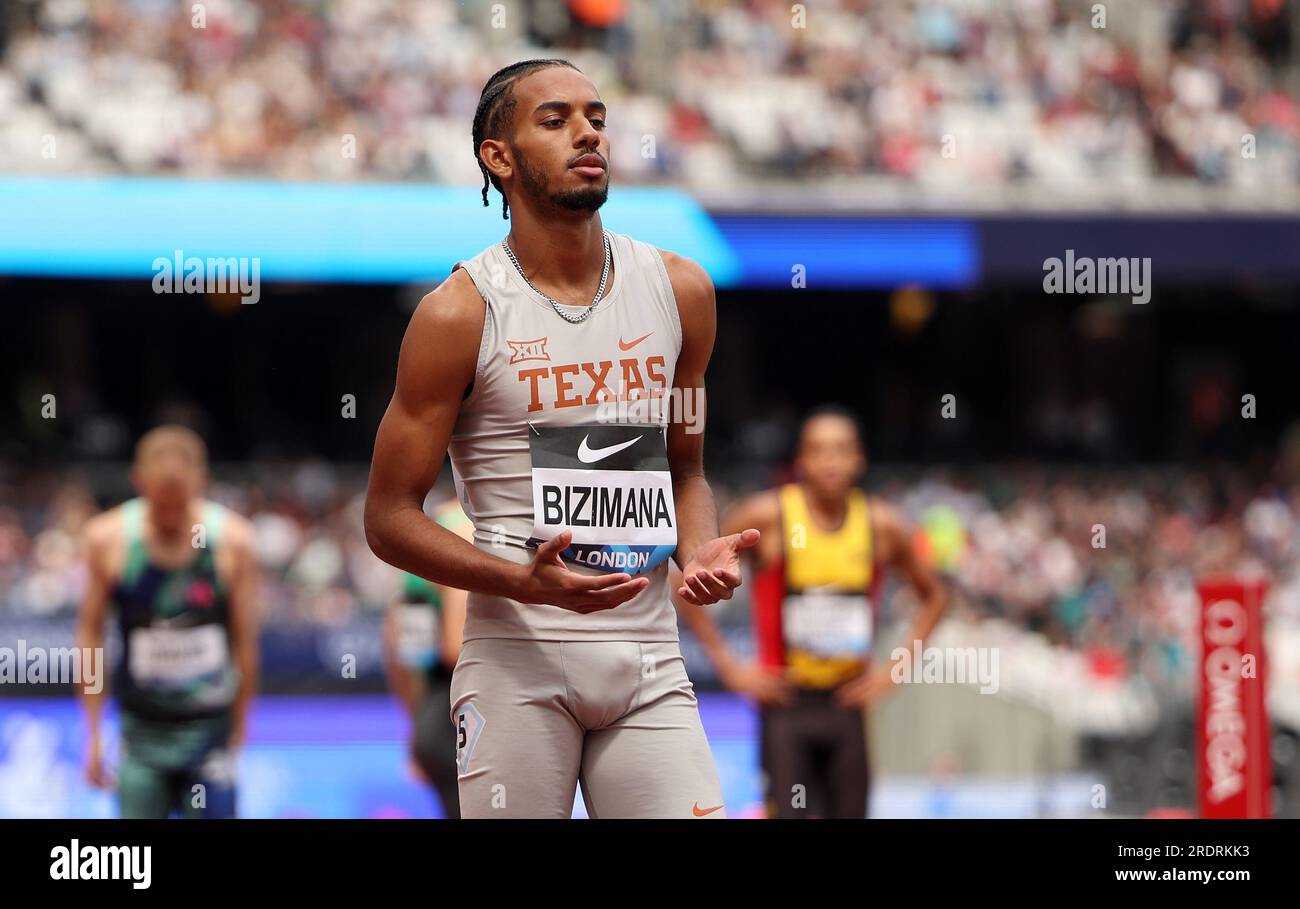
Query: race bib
column 169, row 657
column 419, row 635
column 610, row 484
column 827, row 623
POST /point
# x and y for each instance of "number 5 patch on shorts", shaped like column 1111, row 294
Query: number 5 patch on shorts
column 469, row 725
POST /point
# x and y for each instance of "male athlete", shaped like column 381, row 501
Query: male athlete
column 422, row 636
column 823, row 545
column 180, row 575
column 570, row 671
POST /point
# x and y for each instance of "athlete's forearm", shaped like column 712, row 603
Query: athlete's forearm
column 244, row 641
column 90, row 639
column 697, row 516
column 247, row 665
column 401, row 681
column 92, row 705
column 404, row 685
column 412, row 541
column 934, row 601
column 903, row 557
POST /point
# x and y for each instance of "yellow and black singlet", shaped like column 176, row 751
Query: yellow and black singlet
column 814, row 608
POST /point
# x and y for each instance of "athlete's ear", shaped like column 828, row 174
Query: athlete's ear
column 496, row 157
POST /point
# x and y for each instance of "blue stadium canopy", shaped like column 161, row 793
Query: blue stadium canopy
column 117, row 227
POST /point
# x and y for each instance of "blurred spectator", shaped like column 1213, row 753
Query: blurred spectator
column 952, row 95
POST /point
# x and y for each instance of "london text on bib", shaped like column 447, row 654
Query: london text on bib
column 610, row 484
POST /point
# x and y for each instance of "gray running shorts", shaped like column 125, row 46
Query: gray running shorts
column 535, row 719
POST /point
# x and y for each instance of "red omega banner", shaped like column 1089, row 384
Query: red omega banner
column 1234, row 771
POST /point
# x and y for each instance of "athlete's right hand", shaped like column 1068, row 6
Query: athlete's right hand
column 765, row 684
column 96, row 773
column 546, row 579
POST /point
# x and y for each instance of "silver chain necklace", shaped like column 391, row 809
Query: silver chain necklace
column 559, row 309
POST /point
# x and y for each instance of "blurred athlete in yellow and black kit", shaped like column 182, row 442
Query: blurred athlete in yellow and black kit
column 819, row 565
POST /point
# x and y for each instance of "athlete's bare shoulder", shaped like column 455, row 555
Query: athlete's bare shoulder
column 236, row 530
column 697, row 310
column 691, row 283
column 885, row 515
column 442, row 339
column 888, row 527
column 103, row 529
column 765, row 506
column 101, row 536
column 235, row 549
column 760, row 509
column 455, row 296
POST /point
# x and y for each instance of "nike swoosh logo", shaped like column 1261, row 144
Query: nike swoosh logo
column 589, row 455
column 628, row 345
column 701, row 812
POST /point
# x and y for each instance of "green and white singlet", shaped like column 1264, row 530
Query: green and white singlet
column 175, row 627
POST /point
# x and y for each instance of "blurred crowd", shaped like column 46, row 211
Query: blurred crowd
column 951, row 95
column 1102, row 563
column 1107, row 562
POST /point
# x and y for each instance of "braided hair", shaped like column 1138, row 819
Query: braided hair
column 495, row 115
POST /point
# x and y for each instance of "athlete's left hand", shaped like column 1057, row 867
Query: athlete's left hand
column 714, row 572
column 866, row 690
